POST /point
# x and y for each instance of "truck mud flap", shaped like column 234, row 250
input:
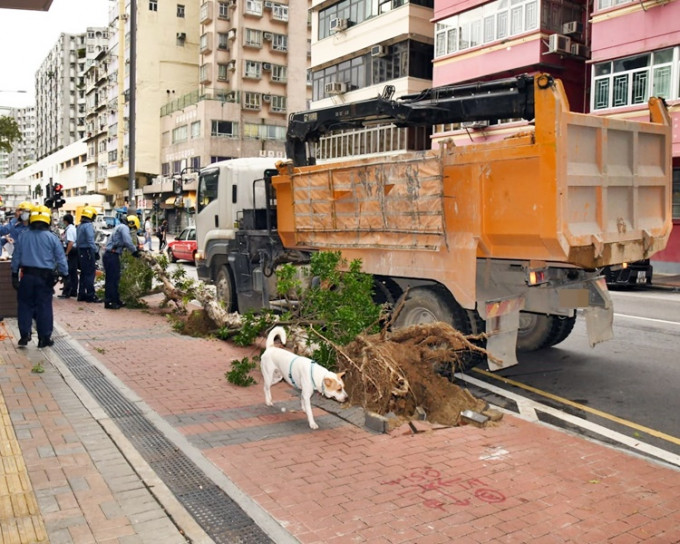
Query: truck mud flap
column 600, row 314
column 502, row 322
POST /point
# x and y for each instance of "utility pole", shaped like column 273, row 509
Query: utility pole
column 132, row 110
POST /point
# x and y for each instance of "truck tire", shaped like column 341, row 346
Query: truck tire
column 538, row 331
column 562, row 327
column 225, row 289
column 427, row 305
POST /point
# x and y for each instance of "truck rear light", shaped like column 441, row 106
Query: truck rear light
column 537, row 277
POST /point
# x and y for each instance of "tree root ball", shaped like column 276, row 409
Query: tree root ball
column 401, row 370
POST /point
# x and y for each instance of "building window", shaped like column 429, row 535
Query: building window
column 676, row 193
column 264, row 132
column 179, row 134
column 490, row 22
column 279, row 42
column 180, row 11
column 278, row 104
column 153, row 5
column 252, row 38
column 222, row 72
column 604, row 4
column 195, row 163
column 254, row 7
column 632, row 80
column 223, row 41
column 280, row 12
column 252, row 69
column 252, row 101
column 279, row 73
column 223, row 10
column 223, row 129
column 195, row 130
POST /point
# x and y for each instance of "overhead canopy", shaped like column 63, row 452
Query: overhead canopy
column 72, row 203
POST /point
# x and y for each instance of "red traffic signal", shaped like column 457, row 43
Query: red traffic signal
column 58, row 187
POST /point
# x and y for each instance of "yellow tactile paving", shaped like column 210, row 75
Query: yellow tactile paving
column 20, row 520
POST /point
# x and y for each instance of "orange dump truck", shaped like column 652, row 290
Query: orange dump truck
column 505, row 237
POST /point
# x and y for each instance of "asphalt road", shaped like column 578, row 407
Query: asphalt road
column 633, row 379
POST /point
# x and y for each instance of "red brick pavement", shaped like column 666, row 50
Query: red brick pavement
column 516, row 482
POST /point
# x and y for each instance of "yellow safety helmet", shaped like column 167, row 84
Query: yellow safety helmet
column 25, row 206
column 133, row 221
column 41, row 213
column 89, row 212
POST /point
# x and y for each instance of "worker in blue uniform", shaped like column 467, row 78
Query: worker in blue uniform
column 36, row 263
column 119, row 241
column 88, row 253
column 10, row 232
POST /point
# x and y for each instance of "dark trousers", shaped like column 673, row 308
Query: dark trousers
column 34, row 299
column 71, row 283
column 87, row 271
column 112, row 270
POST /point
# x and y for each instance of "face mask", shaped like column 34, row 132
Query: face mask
column 25, row 216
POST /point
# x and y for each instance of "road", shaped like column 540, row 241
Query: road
column 628, row 384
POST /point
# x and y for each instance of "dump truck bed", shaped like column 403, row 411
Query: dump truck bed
column 570, row 188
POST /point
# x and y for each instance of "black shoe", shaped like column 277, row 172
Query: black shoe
column 112, row 306
column 24, row 340
column 95, row 299
column 121, row 303
column 45, row 342
column 82, row 299
column 64, row 296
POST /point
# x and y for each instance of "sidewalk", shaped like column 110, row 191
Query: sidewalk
column 132, row 434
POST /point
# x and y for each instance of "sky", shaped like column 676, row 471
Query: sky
column 26, row 37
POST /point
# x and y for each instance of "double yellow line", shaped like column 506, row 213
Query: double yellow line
column 567, row 402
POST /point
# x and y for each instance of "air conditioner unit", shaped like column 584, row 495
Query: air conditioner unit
column 230, row 96
column 268, row 5
column 268, row 36
column 572, row 28
column 559, row 44
column 232, row 3
column 266, row 98
column 475, row 124
column 231, row 65
column 339, row 24
column 182, row 36
column 335, row 87
column 580, row 50
column 231, row 34
column 379, row 51
column 266, row 66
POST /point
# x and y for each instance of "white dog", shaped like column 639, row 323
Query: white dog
column 300, row 372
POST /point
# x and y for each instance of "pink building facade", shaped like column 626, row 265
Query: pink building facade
column 611, row 56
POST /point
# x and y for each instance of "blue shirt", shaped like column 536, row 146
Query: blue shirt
column 39, row 249
column 85, row 236
column 120, row 239
column 13, row 229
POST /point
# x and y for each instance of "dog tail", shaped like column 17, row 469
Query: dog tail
column 276, row 331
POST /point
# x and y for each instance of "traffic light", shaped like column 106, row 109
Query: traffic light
column 49, row 195
column 58, row 197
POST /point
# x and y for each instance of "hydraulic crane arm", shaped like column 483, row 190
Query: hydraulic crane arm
column 501, row 99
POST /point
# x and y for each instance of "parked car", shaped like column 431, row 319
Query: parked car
column 183, row 246
column 629, row 274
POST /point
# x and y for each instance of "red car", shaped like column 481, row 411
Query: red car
column 183, row 246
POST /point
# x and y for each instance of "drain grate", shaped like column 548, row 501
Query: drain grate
column 219, row 516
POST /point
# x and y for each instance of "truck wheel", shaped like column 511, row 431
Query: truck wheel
column 562, row 327
column 225, row 289
column 534, row 331
column 423, row 305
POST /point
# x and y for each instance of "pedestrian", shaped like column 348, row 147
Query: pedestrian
column 162, row 234
column 70, row 288
column 37, row 257
column 119, row 241
column 10, row 232
column 148, row 235
column 88, row 254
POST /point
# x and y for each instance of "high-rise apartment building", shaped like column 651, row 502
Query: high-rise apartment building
column 253, row 70
column 23, row 151
column 60, row 92
column 358, row 48
column 166, row 60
